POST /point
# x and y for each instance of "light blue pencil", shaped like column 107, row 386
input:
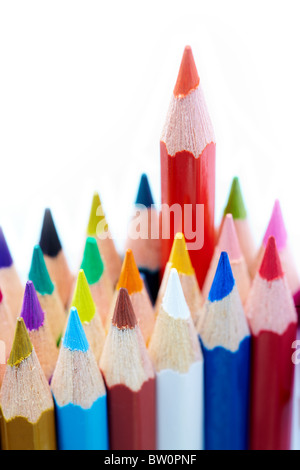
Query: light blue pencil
column 79, row 393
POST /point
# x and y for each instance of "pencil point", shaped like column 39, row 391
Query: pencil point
column 38, row 273
column 124, row 316
column 32, row 312
column 22, row 347
column 75, row 338
column 174, row 302
column 130, row 277
column 188, row 78
column 92, row 263
column 49, row 240
column 83, row 300
column 179, row 257
column 276, row 228
column 97, row 222
column 223, row 282
column 235, row 204
column 144, row 195
column 5, row 256
column 270, row 268
column 228, row 240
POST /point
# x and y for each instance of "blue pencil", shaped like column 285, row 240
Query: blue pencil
column 225, row 341
column 146, row 247
column 79, row 393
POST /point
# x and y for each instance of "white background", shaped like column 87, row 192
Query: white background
column 84, row 91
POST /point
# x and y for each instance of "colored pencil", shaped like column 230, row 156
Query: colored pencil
column 225, row 340
column 131, row 280
column 175, row 352
column 97, row 277
column 2, row 361
column 130, row 382
column 187, row 152
column 180, row 260
column 79, row 393
column 86, row 308
column 7, row 327
column 10, row 282
column 229, row 242
column 98, row 228
column 39, row 331
column 47, row 294
column 273, row 321
column 27, row 409
column 143, row 237
column 276, row 228
column 55, row 258
column 236, row 206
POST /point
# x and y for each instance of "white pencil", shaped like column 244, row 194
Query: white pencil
column 175, row 351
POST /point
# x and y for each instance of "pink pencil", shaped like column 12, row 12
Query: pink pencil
column 236, row 206
column 276, row 228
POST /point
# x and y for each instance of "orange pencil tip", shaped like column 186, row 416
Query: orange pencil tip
column 188, row 78
column 130, row 277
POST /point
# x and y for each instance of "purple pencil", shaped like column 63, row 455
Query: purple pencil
column 39, row 332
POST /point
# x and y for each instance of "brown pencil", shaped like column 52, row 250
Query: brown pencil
column 130, row 382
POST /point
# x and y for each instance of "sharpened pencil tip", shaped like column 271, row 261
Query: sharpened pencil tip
column 22, row 347
column 75, row 338
column 32, row 312
column 271, row 268
column 83, row 300
column 124, row 316
column 276, row 228
column 49, row 240
column 223, row 282
column 228, row 240
column 130, row 277
column 5, row 256
column 188, row 78
column 92, row 263
column 144, row 195
column 174, row 302
column 235, row 204
column 97, row 222
column 179, row 257
column 38, row 273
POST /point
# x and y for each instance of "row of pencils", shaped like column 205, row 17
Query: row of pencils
column 91, row 363
column 177, row 346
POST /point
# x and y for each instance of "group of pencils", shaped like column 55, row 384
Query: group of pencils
column 175, row 347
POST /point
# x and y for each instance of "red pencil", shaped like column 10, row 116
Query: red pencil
column 273, row 321
column 187, row 152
